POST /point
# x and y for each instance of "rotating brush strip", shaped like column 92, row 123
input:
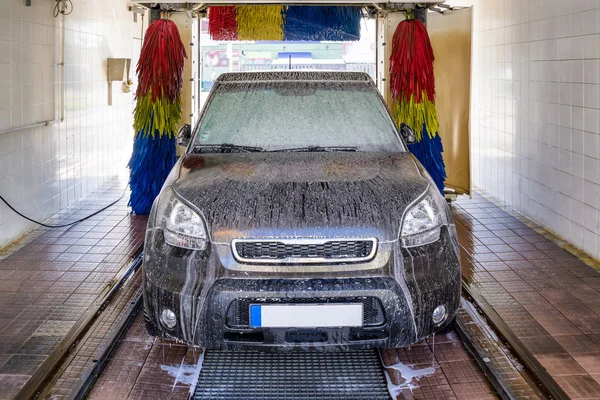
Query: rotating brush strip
column 290, row 23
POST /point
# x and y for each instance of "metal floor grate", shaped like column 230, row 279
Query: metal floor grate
column 252, row 375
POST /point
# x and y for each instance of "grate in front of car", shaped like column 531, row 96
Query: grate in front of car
column 304, row 250
column 238, row 313
column 351, row 375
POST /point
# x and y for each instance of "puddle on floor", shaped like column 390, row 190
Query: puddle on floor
column 185, row 374
column 410, row 375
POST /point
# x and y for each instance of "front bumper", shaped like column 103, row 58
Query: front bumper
column 223, row 324
column 212, row 308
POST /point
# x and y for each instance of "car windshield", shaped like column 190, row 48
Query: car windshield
column 317, row 116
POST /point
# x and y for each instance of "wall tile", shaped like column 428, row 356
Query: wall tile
column 93, row 144
column 554, row 86
column 590, row 142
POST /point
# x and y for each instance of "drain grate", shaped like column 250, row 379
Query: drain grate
column 294, row 375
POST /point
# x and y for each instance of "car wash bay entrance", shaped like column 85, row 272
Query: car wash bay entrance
column 366, row 49
column 70, row 297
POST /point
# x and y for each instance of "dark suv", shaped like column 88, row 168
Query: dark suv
column 297, row 218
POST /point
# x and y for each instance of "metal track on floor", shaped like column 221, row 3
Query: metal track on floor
column 293, row 375
column 44, row 373
column 544, row 379
column 501, row 366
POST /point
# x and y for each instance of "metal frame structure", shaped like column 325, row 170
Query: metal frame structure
column 382, row 6
column 426, row 3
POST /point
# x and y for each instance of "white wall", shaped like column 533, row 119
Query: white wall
column 45, row 169
column 535, row 111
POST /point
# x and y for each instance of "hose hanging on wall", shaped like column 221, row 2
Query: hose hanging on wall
column 412, row 86
column 64, row 7
column 157, row 112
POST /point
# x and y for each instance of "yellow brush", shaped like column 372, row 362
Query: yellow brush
column 416, row 114
column 260, row 22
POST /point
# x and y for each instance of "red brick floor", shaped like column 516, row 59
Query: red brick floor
column 144, row 367
column 53, row 276
column 548, row 297
column 444, row 369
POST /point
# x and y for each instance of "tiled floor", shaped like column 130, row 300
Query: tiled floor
column 442, row 367
column 50, row 279
column 151, row 368
column 143, row 367
column 83, row 359
column 548, row 297
column 511, row 378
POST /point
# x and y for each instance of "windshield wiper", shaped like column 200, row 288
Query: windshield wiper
column 311, row 149
column 225, row 148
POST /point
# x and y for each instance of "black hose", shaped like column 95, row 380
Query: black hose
column 64, row 7
column 62, row 225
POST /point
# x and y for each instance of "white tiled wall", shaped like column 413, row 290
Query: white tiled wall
column 535, row 116
column 45, row 169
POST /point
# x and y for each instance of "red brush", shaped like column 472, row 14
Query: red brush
column 411, row 63
column 160, row 68
column 222, row 23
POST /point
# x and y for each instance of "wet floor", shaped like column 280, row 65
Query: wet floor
column 52, row 278
column 547, row 296
column 437, row 368
column 145, row 367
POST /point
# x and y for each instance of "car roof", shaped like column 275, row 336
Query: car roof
column 281, row 76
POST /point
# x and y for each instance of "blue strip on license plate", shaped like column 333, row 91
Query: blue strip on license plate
column 255, row 316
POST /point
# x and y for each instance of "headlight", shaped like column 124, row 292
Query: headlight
column 181, row 225
column 423, row 222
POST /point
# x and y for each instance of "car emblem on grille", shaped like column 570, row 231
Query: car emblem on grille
column 304, row 250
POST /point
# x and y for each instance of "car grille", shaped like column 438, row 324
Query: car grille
column 238, row 313
column 304, row 251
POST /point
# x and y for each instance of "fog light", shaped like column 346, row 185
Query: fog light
column 439, row 315
column 168, row 318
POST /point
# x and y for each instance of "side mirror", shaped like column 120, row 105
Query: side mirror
column 184, row 135
column 407, row 134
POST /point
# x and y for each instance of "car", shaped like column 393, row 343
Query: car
column 297, row 218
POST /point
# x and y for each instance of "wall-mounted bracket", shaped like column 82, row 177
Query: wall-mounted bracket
column 117, row 70
column 444, row 9
column 137, row 10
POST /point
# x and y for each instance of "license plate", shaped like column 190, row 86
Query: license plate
column 306, row 315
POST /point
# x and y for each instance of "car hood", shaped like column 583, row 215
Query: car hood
column 300, row 194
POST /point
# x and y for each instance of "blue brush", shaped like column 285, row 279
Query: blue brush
column 429, row 152
column 322, row 23
column 150, row 164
